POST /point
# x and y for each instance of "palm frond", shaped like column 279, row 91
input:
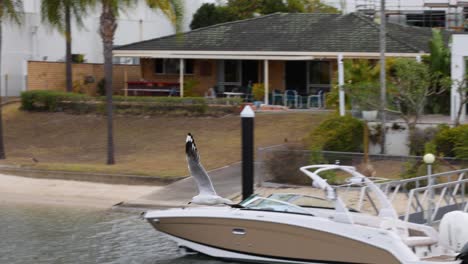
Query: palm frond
column 12, row 10
column 172, row 9
column 53, row 12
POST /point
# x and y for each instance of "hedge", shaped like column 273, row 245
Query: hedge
column 452, row 142
column 54, row 101
column 338, row 133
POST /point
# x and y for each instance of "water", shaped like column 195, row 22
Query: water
column 56, row 235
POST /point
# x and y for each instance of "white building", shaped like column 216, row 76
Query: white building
column 34, row 40
column 450, row 14
column 459, row 72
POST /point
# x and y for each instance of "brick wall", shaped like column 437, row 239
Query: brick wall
column 51, row 76
column 205, row 72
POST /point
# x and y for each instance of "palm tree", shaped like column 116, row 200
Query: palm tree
column 58, row 13
column 9, row 9
column 108, row 24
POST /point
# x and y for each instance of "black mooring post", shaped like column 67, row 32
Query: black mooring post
column 247, row 116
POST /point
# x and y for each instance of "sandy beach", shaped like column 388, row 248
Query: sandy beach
column 21, row 190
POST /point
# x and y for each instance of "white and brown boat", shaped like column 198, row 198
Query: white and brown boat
column 294, row 228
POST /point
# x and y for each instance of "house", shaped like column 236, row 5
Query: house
column 295, row 51
column 36, row 41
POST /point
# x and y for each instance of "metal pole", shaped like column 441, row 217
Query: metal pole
column 266, row 80
column 6, row 87
column 181, row 78
column 383, row 89
column 430, row 208
column 247, row 116
column 341, row 84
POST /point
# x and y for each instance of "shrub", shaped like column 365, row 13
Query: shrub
column 338, row 133
column 54, row 101
column 101, row 87
column 283, row 165
column 419, row 138
column 452, row 142
column 258, row 91
column 47, row 100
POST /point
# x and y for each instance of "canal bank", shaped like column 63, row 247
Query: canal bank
column 21, row 190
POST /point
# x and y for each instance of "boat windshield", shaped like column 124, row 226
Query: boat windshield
column 303, row 200
column 272, row 204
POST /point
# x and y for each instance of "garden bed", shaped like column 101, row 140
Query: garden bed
column 51, row 101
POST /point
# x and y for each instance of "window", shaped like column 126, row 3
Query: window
column 231, row 71
column 125, row 60
column 465, row 15
column 427, row 19
column 171, row 66
column 319, row 72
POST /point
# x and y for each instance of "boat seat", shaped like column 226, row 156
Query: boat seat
column 415, row 241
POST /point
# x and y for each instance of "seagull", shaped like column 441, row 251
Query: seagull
column 207, row 194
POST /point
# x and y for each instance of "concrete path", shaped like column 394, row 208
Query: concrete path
column 226, row 181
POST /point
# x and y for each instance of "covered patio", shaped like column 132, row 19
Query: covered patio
column 297, row 57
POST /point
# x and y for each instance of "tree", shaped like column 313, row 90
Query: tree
column 317, row 6
column 211, row 14
column 9, row 9
column 439, row 67
column 461, row 88
column 413, row 86
column 172, row 9
column 59, row 13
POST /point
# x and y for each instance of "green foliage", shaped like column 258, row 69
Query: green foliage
column 11, row 9
column 282, row 165
column 452, row 142
column 54, row 101
column 419, row 141
column 47, row 100
column 362, row 82
column 188, row 87
column 211, row 14
column 258, row 91
column 101, row 87
column 53, row 12
column 439, row 66
column 440, row 54
column 338, row 133
column 412, row 82
column 317, row 6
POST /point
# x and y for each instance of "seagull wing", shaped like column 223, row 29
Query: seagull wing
column 205, row 186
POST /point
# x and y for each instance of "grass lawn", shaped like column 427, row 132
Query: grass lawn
column 144, row 145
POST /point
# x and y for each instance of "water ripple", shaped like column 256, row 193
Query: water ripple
column 44, row 234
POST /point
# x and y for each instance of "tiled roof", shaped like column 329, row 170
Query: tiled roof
column 295, row 32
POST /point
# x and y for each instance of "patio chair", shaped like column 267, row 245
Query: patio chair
column 247, row 90
column 318, row 97
column 291, row 96
column 211, row 93
column 277, row 94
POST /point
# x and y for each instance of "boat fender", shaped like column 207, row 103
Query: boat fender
column 453, row 231
column 463, row 256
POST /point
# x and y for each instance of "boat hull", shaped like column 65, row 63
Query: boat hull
column 267, row 241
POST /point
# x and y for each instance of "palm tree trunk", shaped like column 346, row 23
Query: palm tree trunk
column 2, row 147
column 68, row 44
column 108, row 27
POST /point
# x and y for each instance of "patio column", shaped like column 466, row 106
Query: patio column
column 341, row 84
column 181, row 77
column 266, row 78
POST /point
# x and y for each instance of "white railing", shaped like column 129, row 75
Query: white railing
column 426, row 203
